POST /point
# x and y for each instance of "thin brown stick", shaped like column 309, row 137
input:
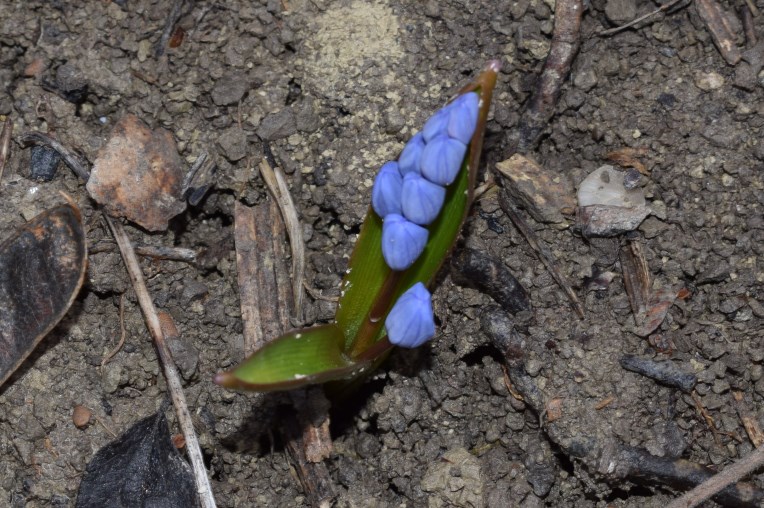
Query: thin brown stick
column 633, row 22
column 706, row 417
column 750, row 423
column 730, row 475
column 113, row 434
column 723, row 32
column 746, row 16
column 5, row 144
column 122, row 332
column 562, row 52
column 172, row 19
column 70, row 158
column 151, row 251
column 542, row 252
column 170, row 370
column 277, row 185
column 752, row 7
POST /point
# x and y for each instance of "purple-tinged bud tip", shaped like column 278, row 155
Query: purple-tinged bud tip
column 402, row 241
column 410, row 323
column 409, row 160
column 442, row 159
column 421, row 200
column 463, row 117
column 386, row 193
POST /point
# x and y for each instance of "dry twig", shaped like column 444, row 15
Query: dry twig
column 5, row 144
column 274, row 179
column 264, row 288
column 542, row 252
column 722, row 32
column 70, row 158
column 750, row 423
column 746, row 15
column 122, row 332
column 172, row 19
column 168, row 365
column 633, row 22
column 151, row 251
column 562, row 52
column 720, row 481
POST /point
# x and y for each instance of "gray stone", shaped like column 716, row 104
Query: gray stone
column 233, row 143
column 620, row 12
column 278, row 125
column 306, row 118
column 231, row 88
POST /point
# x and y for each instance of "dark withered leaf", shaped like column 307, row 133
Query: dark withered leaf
column 141, row 469
column 41, row 270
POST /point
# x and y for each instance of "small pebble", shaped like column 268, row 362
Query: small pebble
column 179, row 441
column 709, row 81
column 81, row 416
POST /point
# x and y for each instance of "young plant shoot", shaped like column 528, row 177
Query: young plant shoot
column 418, row 205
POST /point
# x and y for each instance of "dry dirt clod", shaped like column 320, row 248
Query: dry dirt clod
column 139, row 175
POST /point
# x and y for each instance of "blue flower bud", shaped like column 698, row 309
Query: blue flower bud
column 421, row 199
column 386, row 193
column 463, row 117
column 412, row 152
column 411, row 323
column 442, row 159
column 437, row 124
column 402, row 241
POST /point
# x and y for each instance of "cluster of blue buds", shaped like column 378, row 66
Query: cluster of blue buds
column 408, row 195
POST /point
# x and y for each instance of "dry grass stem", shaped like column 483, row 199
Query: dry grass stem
column 168, row 365
column 122, row 333
column 633, row 22
column 730, row 475
column 5, row 144
column 274, row 179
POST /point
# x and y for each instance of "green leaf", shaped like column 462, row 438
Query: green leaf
column 298, row 358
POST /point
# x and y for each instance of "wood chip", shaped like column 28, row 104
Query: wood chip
column 721, row 25
column 545, row 195
column 628, row 158
column 264, row 287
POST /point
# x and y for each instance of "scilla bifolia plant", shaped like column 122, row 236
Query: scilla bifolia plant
column 419, row 203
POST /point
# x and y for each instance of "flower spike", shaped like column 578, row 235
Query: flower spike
column 410, row 322
column 402, row 241
column 419, row 205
